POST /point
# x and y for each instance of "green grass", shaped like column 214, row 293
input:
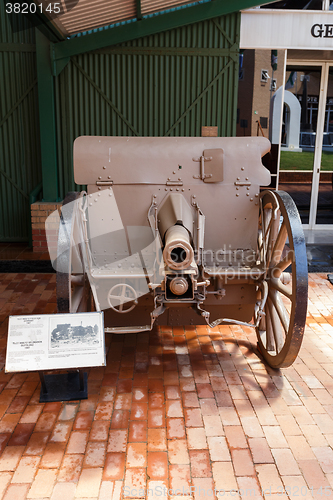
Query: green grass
column 291, row 160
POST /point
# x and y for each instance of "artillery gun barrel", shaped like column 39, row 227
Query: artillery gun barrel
column 178, row 251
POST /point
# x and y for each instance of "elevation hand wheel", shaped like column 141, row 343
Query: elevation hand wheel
column 122, row 298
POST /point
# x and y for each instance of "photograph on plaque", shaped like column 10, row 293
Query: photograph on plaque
column 55, row 341
column 70, row 335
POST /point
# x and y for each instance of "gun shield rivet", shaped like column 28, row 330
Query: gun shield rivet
column 237, row 188
column 177, row 189
column 246, row 178
column 242, row 168
column 165, row 189
column 238, row 178
column 104, row 168
column 251, row 199
column 237, row 194
column 99, row 177
column 95, row 199
column 174, row 172
column 99, row 188
column 248, row 188
column 256, row 195
column 247, row 194
column 90, row 204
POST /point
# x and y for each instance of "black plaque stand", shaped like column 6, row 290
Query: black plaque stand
column 69, row 386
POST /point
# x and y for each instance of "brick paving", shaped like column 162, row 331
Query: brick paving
column 173, row 409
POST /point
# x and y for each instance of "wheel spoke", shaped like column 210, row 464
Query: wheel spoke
column 284, row 263
column 276, row 324
column 280, row 308
column 77, row 279
column 280, row 287
column 279, row 244
column 77, row 295
column 270, row 344
column 266, row 227
column 116, row 297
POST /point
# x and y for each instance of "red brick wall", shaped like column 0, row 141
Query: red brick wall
column 40, row 211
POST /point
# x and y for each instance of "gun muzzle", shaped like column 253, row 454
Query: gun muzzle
column 178, row 251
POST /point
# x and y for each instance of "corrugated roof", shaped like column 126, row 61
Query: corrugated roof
column 86, row 15
column 151, row 6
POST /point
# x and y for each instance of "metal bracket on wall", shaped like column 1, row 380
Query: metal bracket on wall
column 202, row 160
column 57, row 65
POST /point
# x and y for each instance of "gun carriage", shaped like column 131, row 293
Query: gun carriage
column 176, row 231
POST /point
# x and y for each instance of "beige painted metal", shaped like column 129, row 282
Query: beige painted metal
column 209, row 252
column 173, row 210
column 139, row 169
column 178, row 251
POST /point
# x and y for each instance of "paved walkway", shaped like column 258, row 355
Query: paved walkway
column 173, row 409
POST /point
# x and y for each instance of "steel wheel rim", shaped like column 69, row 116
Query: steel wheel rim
column 290, row 341
column 73, row 290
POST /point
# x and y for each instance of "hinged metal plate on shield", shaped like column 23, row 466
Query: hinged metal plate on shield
column 214, row 167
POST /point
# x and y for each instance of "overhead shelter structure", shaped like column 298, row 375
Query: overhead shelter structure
column 107, row 67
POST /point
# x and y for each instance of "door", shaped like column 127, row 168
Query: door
column 324, row 214
column 299, row 157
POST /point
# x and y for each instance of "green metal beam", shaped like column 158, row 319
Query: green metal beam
column 17, row 47
column 169, row 51
column 47, row 118
column 149, row 26
column 138, row 10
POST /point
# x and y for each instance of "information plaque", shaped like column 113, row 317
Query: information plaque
column 55, row 342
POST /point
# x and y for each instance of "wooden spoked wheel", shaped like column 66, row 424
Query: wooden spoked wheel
column 282, row 252
column 73, row 289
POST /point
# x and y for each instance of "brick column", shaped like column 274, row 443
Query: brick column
column 40, row 211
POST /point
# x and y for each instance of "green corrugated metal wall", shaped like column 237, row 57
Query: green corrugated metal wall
column 170, row 83
column 20, row 167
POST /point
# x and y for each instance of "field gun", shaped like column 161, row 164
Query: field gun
column 177, row 231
